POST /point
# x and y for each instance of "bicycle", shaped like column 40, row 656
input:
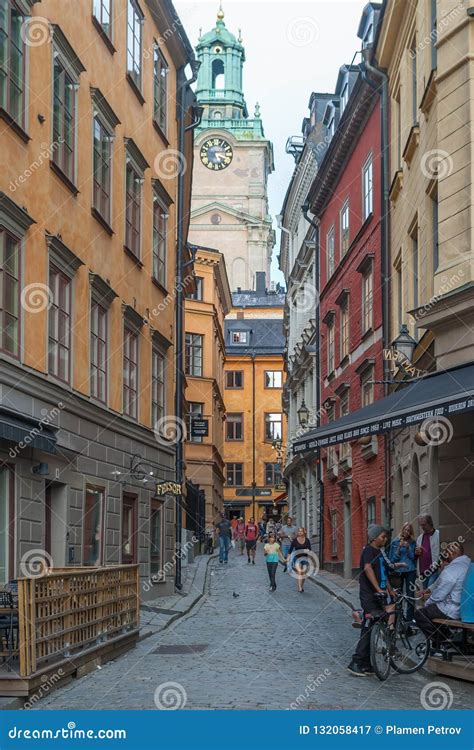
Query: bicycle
column 397, row 643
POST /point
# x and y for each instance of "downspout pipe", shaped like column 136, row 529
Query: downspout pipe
column 185, row 99
column 317, row 273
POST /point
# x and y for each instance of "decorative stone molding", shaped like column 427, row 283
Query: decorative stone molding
column 15, row 217
column 101, row 292
column 67, row 261
column 68, row 55
column 134, row 153
column 104, row 109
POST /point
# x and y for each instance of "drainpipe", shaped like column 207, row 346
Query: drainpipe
column 315, row 224
column 184, row 102
column 377, row 79
column 254, row 484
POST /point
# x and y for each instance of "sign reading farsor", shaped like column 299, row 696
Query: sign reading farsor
column 168, row 488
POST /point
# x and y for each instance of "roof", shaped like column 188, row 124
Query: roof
column 266, row 336
column 435, row 397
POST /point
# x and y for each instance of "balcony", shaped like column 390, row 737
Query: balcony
column 65, row 623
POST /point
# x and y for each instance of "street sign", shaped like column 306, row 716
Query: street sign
column 199, row 427
column 248, row 492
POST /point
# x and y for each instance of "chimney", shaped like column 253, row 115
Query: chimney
column 260, row 282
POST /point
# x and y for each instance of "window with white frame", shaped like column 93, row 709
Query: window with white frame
column 367, row 299
column 160, row 89
column 331, row 358
column 12, row 60
column 194, row 344
column 367, row 387
column 344, row 224
column 102, row 11
column 345, row 448
column 160, row 235
column 239, row 337
column 371, row 511
column 368, row 188
column 330, row 259
column 158, row 387
column 134, row 42
column 345, row 328
column 273, row 378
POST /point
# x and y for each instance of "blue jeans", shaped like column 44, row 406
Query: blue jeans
column 428, row 582
column 408, row 587
column 224, row 544
column 285, row 548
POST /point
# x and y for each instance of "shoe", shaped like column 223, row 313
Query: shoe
column 274, row 588
column 270, row 590
column 253, row 562
column 356, row 670
column 285, row 569
column 226, row 561
column 368, row 670
column 248, row 560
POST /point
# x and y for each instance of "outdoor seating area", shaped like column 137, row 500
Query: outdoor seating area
column 458, row 659
column 62, row 620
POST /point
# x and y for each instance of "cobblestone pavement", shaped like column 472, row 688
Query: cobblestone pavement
column 255, row 651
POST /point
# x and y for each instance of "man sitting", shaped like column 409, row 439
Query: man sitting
column 444, row 598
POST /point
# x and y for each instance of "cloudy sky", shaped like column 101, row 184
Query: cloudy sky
column 292, row 49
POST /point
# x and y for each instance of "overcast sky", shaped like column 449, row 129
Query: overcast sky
column 292, row 49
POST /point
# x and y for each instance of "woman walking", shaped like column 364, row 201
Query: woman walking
column 239, row 534
column 401, row 554
column 301, row 562
column 272, row 553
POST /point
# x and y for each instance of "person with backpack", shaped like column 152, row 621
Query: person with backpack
column 252, row 533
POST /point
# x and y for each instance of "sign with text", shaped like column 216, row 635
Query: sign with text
column 168, row 488
column 199, row 427
column 248, row 492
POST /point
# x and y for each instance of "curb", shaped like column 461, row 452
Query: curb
column 330, row 590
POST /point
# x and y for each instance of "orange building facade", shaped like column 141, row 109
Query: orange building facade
column 205, row 310
column 89, row 169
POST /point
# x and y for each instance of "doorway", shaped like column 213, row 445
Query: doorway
column 347, row 499
column 55, row 518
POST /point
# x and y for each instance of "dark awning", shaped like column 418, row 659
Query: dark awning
column 440, row 394
column 25, row 432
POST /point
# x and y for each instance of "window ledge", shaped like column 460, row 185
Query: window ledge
column 160, row 132
column 330, row 376
column 412, row 143
column 160, row 286
column 133, row 257
column 59, row 172
column 429, row 94
column 332, row 471
column 4, row 115
column 396, row 186
column 105, row 38
column 135, row 89
column 346, row 463
column 367, row 333
column 103, row 222
column 371, row 450
column 344, row 361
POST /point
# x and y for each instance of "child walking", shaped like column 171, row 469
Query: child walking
column 272, row 553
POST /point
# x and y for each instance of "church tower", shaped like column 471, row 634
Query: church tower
column 232, row 162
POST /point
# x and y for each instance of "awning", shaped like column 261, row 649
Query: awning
column 440, row 394
column 25, row 432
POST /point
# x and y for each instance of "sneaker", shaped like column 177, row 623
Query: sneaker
column 368, row 670
column 248, row 560
column 356, row 670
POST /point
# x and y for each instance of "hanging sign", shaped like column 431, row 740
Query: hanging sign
column 168, row 488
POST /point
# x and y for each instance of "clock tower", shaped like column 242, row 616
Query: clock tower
column 232, row 162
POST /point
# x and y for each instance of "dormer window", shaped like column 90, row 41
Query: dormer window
column 239, row 337
column 331, row 126
column 369, row 35
column 344, row 96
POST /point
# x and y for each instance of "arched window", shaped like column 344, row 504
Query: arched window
column 218, row 78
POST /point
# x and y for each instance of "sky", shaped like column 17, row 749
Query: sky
column 291, row 49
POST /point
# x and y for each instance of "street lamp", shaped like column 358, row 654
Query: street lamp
column 303, row 414
column 404, row 343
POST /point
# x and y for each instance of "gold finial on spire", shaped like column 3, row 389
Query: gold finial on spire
column 220, row 12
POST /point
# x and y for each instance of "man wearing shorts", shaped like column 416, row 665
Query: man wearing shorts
column 252, row 533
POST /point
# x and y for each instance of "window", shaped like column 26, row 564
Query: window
column 98, row 352
column 160, row 233
column 7, row 524
column 331, row 347
column 102, row 10
column 234, row 379
column 331, row 454
column 345, row 329
column 398, row 126
column 156, row 542
column 414, row 73
column 273, row 378
column 134, row 43
column 435, row 230
column 234, row 427
column 345, row 448
column 198, row 294
column 344, row 97
column 415, row 264
column 367, row 387
column 195, row 409
column 9, row 293
column 331, row 126
column 368, row 188
column 12, row 61
column 130, row 373
column 239, row 337
column 235, row 474
column 330, row 252
column 367, row 300
column 434, row 35
column 133, row 209
column 160, row 84
column 102, row 169
column 399, row 291
column 273, row 426
column 129, row 529
column 371, row 515
column 193, row 354
column 334, row 533
column 64, row 119
column 345, row 228
column 158, row 393
column 92, row 525
column 59, row 336
column 272, row 475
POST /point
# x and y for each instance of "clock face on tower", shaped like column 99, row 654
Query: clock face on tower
column 216, row 153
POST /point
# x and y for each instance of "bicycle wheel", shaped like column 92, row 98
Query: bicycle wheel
column 380, row 649
column 410, row 648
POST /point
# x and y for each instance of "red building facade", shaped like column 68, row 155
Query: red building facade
column 346, row 199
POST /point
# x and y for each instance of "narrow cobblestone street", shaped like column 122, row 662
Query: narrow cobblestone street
column 258, row 650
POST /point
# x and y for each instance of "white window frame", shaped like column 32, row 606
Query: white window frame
column 368, row 187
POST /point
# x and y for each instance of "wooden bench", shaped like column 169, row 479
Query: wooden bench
column 460, row 665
